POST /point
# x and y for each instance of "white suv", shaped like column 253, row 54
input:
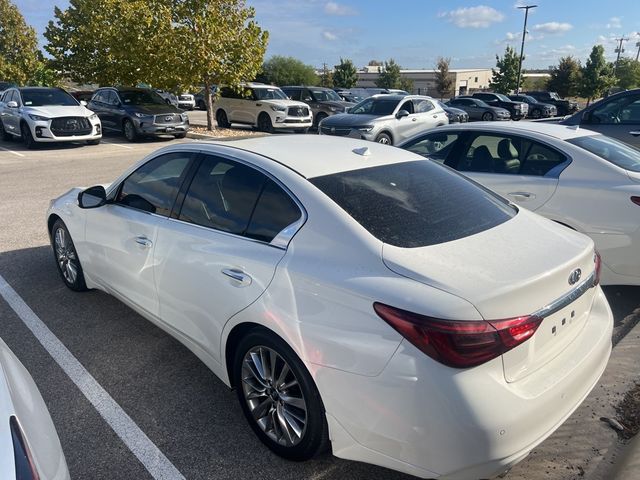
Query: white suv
column 263, row 106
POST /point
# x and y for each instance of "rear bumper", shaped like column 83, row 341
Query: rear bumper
column 429, row 420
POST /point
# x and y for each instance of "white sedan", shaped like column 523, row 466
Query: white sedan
column 351, row 293
column 29, row 445
column 576, row 177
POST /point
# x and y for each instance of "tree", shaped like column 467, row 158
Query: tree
column 389, row 75
column 597, row 75
column 406, row 84
column 279, row 70
column 565, row 77
column 628, row 73
column 345, row 74
column 166, row 43
column 326, row 77
column 18, row 45
column 505, row 78
column 444, row 80
column 44, row 74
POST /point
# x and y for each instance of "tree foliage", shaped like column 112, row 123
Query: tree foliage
column 597, row 75
column 389, row 75
column 345, row 74
column 444, row 79
column 279, row 70
column 628, row 73
column 566, row 77
column 18, row 45
column 406, row 84
column 504, row 79
column 170, row 44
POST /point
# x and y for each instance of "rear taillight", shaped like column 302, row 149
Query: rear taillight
column 459, row 344
column 635, row 200
column 25, row 466
column 598, row 267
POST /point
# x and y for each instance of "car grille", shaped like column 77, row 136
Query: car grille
column 335, row 131
column 298, row 112
column 167, row 119
column 69, row 126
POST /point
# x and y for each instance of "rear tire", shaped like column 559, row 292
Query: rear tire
column 536, row 113
column 222, row 120
column 6, row 136
column 384, row 138
column 487, row 117
column 264, row 123
column 201, row 105
column 67, row 261
column 27, row 137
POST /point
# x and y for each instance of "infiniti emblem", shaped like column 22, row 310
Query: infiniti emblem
column 575, row 276
column 168, row 118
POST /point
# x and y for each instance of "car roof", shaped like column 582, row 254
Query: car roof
column 37, row 89
column 318, row 155
column 561, row 132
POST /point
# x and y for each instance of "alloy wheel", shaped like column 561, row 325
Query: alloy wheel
column 66, row 256
column 274, row 396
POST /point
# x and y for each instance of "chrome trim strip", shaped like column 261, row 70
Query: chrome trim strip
column 567, row 299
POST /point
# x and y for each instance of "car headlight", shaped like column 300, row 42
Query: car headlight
column 93, row 117
column 335, row 109
column 38, row 118
column 366, row 129
column 278, row 108
column 184, row 117
column 142, row 115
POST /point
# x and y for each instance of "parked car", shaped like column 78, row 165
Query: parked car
column 455, row 115
column 617, row 116
column 579, row 178
column 169, row 97
column 200, row 100
column 44, row 115
column 537, row 109
column 386, row 118
column 29, row 444
column 518, row 110
column 378, row 91
column 565, row 107
column 186, row 101
column 324, row 102
column 479, row 110
column 349, row 96
column 446, row 314
column 262, row 106
column 138, row 112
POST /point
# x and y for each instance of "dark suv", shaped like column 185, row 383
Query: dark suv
column 324, row 102
column 565, row 107
column 517, row 110
column 138, row 112
column 537, row 109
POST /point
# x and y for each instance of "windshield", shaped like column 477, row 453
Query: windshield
column 269, row 94
column 375, row 106
column 45, row 97
column 141, row 97
column 614, row 151
column 326, row 96
column 416, row 203
column 502, row 97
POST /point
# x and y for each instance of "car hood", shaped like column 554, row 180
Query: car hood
column 53, row 111
column 153, row 109
column 351, row 120
column 500, row 110
column 283, row 103
column 454, row 111
column 336, row 104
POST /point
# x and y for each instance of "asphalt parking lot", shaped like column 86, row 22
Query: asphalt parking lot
column 188, row 414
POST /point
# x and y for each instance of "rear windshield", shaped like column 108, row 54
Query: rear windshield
column 614, row 151
column 415, row 204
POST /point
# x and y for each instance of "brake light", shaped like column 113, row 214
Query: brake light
column 25, row 467
column 598, row 263
column 459, row 344
column 635, row 200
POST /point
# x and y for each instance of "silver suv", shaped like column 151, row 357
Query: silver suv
column 263, row 106
column 388, row 119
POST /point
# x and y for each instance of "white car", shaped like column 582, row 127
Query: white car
column 29, row 444
column 40, row 115
column 262, row 106
column 353, row 293
column 186, row 101
column 577, row 177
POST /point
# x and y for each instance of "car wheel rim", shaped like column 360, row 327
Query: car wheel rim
column 66, row 256
column 383, row 140
column 274, row 396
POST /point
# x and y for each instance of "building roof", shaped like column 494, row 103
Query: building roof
column 374, row 69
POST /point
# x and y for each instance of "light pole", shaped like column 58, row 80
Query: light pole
column 619, row 50
column 524, row 34
column 638, row 54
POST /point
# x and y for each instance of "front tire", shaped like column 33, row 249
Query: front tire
column 93, row 142
column 301, row 130
column 222, row 120
column 264, row 123
column 278, row 397
column 129, row 131
column 27, row 137
column 536, row 113
column 180, row 135
column 66, row 257
column 487, row 117
column 321, row 116
column 384, row 138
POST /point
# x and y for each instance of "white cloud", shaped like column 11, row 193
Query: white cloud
column 552, row 27
column 614, row 22
column 333, row 8
column 329, row 35
column 512, row 38
column 473, row 17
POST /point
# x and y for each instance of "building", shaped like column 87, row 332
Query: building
column 466, row 80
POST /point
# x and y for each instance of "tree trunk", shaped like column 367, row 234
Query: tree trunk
column 208, row 100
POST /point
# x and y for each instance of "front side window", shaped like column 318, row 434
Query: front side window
column 294, row 93
column 273, row 93
column 325, row 95
column 422, row 106
column 375, row 106
column 435, row 145
column 612, row 150
column 46, row 97
column 141, row 97
column 618, row 111
column 154, row 186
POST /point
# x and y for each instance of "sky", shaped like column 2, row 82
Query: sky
column 416, row 32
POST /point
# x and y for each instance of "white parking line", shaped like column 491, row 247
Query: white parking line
column 133, row 437
column 11, row 151
column 118, row 145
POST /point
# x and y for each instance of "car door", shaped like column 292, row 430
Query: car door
column 618, row 118
column 218, row 255
column 472, row 108
column 427, row 116
column 103, row 101
column 120, row 237
column 11, row 115
column 404, row 126
column 522, row 170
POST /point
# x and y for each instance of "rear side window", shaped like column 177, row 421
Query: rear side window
column 435, row 145
column 415, row 204
column 274, row 211
column 612, row 150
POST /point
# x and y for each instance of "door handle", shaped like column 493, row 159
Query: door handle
column 239, row 276
column 143, row 241
column 414, row 119
column 635, row 133
column 435, row 116
column 522, row 195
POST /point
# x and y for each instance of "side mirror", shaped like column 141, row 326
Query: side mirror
column 93, row 197
column 83, row 103
column 402, row 113
column 12, row 104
